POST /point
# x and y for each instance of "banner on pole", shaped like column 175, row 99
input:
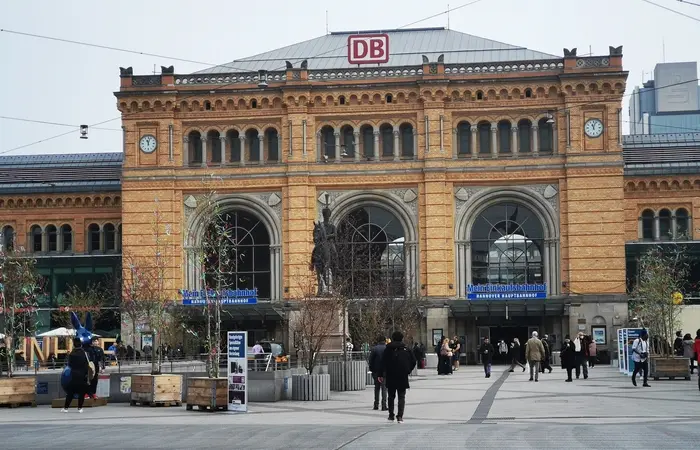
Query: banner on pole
column 238, row 371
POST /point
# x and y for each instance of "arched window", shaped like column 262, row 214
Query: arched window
column 52, row 238
column 546, row 136
column 328, row 142
column 110, row 233
column 248, row 263
column 195, row 148
column 347, row 142
column 272, row 144
column 504, row 136
column 8, row 238
column 665, row 231
column 119, row 238
column 35, row 236
column 367, row 132
column 66, row 238
column 370, row 244
column 407, row 150
column 507, row 243
column 647, row 221
column 386, row 136
column 682, row 227
column 524, row 136
column 484, row 138
column 94, row 238
column 464, row 139
column 234, row 143
column 251, row 138
column 214, row 146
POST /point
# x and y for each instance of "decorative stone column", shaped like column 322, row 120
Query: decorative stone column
column 261, row 148
column 320, row 151
column 415, row 143
column 223, row 150
column 494, row 140
column 657, row 228
column 186, row 150
column 455, row 144
column 338, row 158
column 356, row 145
column 514, row 140
column 555, row 138
column 475, row 150
column 397, row 146
column 535, row 140
column 203, row 139
column 375, row 150
column 241, row 139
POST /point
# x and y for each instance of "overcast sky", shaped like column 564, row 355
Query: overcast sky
column 71, row 84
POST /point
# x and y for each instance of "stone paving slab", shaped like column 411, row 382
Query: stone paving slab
column 464, row 410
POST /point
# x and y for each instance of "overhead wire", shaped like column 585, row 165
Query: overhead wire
column 21, row 119
column 672, row 10
column 222, row 86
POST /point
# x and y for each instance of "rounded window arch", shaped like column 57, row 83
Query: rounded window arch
column 464, row 139
column 234, row 141
column 665, row 230
column 327, row 143
column 93, row 238
column 110, row 236
column 51, row 238
column 247, row 265
column 367, row 141
column 647, row 225
column 407, row 147
column 8, row 238
column 504, row 136
column 546, row 135
column 484, row 137
column 253, row 141
column 386, row 137
column 525, row 136
column 214, row 150
column 272, row 142
column 66, row 238
column 347, row 141
column 194, row 148
column 36, row 238
column 372, row 258
column 682, row 224
column 507, row 246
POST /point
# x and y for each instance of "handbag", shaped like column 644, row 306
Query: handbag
column 91, row 368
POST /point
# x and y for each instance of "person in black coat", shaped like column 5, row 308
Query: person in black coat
column 546, row 364
column 78, row 384
column 486, row 352
column 568, row 357
column 515, row 355
column 375, row 366
column 397, row 364
column 97, row 356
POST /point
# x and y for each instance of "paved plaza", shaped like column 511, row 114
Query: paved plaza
column 464, row 410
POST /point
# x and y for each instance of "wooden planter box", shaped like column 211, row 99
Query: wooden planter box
column 156, row 390
column 18, row 391
column 207, row 393
column 669, row 367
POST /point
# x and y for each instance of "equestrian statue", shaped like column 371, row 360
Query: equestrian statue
column 324, row 257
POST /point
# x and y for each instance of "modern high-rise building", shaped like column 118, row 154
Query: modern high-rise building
column 670, row 103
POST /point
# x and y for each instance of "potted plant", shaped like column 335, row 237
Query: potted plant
column 19, row 291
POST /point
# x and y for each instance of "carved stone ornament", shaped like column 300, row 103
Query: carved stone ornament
column 191, row 202
column 274, row 199
column 550, row 191
column 409, row 196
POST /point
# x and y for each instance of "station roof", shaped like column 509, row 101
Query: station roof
column 406, row 47
column 661, row 154
column 79, row 172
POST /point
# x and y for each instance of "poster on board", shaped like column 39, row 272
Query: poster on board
column 238, row 371
column 625, row 358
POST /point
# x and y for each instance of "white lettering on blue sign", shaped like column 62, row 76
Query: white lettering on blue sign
column 506, row 291
column 225, row 297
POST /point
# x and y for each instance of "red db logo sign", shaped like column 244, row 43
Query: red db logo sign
column 368, row 48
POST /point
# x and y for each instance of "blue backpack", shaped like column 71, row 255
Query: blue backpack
column 65, row 377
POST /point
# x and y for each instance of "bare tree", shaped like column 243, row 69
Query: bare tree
column 657, row 296
column 91, row 299
column 314, row 319
column 20, row 288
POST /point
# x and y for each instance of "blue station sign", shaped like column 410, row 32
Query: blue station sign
column 506, row 291
column 226, row 296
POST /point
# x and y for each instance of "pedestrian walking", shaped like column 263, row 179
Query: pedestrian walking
column 581, row 350
column 515, row 355
column 456, row 346
column 678, row 344
column 486, row 353
column 547, row 355
column 568, row 357
column 444, row 358
column 503, row 351
column 97, row 356
column 640, row 355
column 689, row 351
column 375, row 366
column 592, row 352
column 534, row 354
column 397, row 363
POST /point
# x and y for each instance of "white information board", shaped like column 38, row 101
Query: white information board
column 238, row 371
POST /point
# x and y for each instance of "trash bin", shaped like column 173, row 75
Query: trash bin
column 556, row 358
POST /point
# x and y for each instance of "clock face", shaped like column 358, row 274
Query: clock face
column 148, row 143
column 593, row 128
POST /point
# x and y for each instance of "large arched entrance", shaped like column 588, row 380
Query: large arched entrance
column 372, row 254
column 248, row 264
column 507, row 242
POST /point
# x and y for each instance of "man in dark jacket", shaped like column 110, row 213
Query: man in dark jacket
column 398, row 362
column 678, row 344
column 546, row 363
column 486, row 353
column 97, row 356
column 375, row 366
